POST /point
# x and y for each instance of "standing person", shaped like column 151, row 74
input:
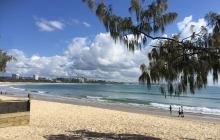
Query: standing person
column 182, row 115
column 170, row 109
column 179, row 112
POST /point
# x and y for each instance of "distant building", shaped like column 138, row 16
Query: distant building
column 15, row 76
column 57, row 81
column 42, row 78
column 84, row 79
column 35, row 77
column 29, row 78
column 61, row 79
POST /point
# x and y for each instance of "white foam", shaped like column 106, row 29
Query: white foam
column 201, row 110
column 41, row 91
column 17, row 88
column 93, row 97
column 101, row 100
column 134, row 104
column 4, row 85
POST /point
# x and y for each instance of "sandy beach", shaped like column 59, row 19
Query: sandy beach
column 55, row 121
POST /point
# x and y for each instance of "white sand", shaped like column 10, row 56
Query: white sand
column 52, row 120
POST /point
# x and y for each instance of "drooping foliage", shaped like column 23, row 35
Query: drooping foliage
column 177, row 63
column 4, row 59
column 148, row 21
column 182, row 63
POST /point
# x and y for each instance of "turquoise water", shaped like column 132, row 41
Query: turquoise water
column 206, row 101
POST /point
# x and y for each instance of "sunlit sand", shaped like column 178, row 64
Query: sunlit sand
column 53, row 120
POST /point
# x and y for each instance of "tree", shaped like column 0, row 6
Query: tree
column 4, row 59
column 175, row 63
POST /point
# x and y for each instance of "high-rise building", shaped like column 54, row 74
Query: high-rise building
column 15, row 76
column 35, row 77
column 84, row 79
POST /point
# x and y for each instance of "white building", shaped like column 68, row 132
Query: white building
column 15, row 76
column 84, row 79
column 35, row 77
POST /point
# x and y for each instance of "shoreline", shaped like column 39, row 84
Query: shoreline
column 148, row 110
column 117, row 106
column 54, row 120
column 20, row 83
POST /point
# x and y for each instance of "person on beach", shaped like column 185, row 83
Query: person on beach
column 170, row 109
column 182, row 115
column 179, row 112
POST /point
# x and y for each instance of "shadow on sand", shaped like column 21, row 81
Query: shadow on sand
column 84, row 134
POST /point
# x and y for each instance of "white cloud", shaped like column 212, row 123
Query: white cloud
column 86, row 24
column 185, row 26
column 44, row 27
column 35, row 57
column 103, row 62
column 100, row 58
column 44, row 66
column 57, row 24
column 181, row 25
column 48, row 26
column 76, row 21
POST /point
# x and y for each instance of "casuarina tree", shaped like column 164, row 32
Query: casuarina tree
column 176, row 64
column 4, row 59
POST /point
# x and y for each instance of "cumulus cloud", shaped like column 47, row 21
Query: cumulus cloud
column 181, row 25
column 48, row 26
column 185, row 26
column 44, row 66
column 99, row 58
column 104, row 58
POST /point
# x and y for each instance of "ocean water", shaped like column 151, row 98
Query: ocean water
column 205, row 101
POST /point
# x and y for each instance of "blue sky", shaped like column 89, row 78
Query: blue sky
column 55, row 38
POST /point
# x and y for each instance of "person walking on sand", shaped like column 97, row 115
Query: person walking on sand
column 179, row 112
column 170, row 109
column 182, row 115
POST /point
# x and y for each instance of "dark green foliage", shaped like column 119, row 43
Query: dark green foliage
column 4, row 59
column 151, row 20
column 177, row 63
